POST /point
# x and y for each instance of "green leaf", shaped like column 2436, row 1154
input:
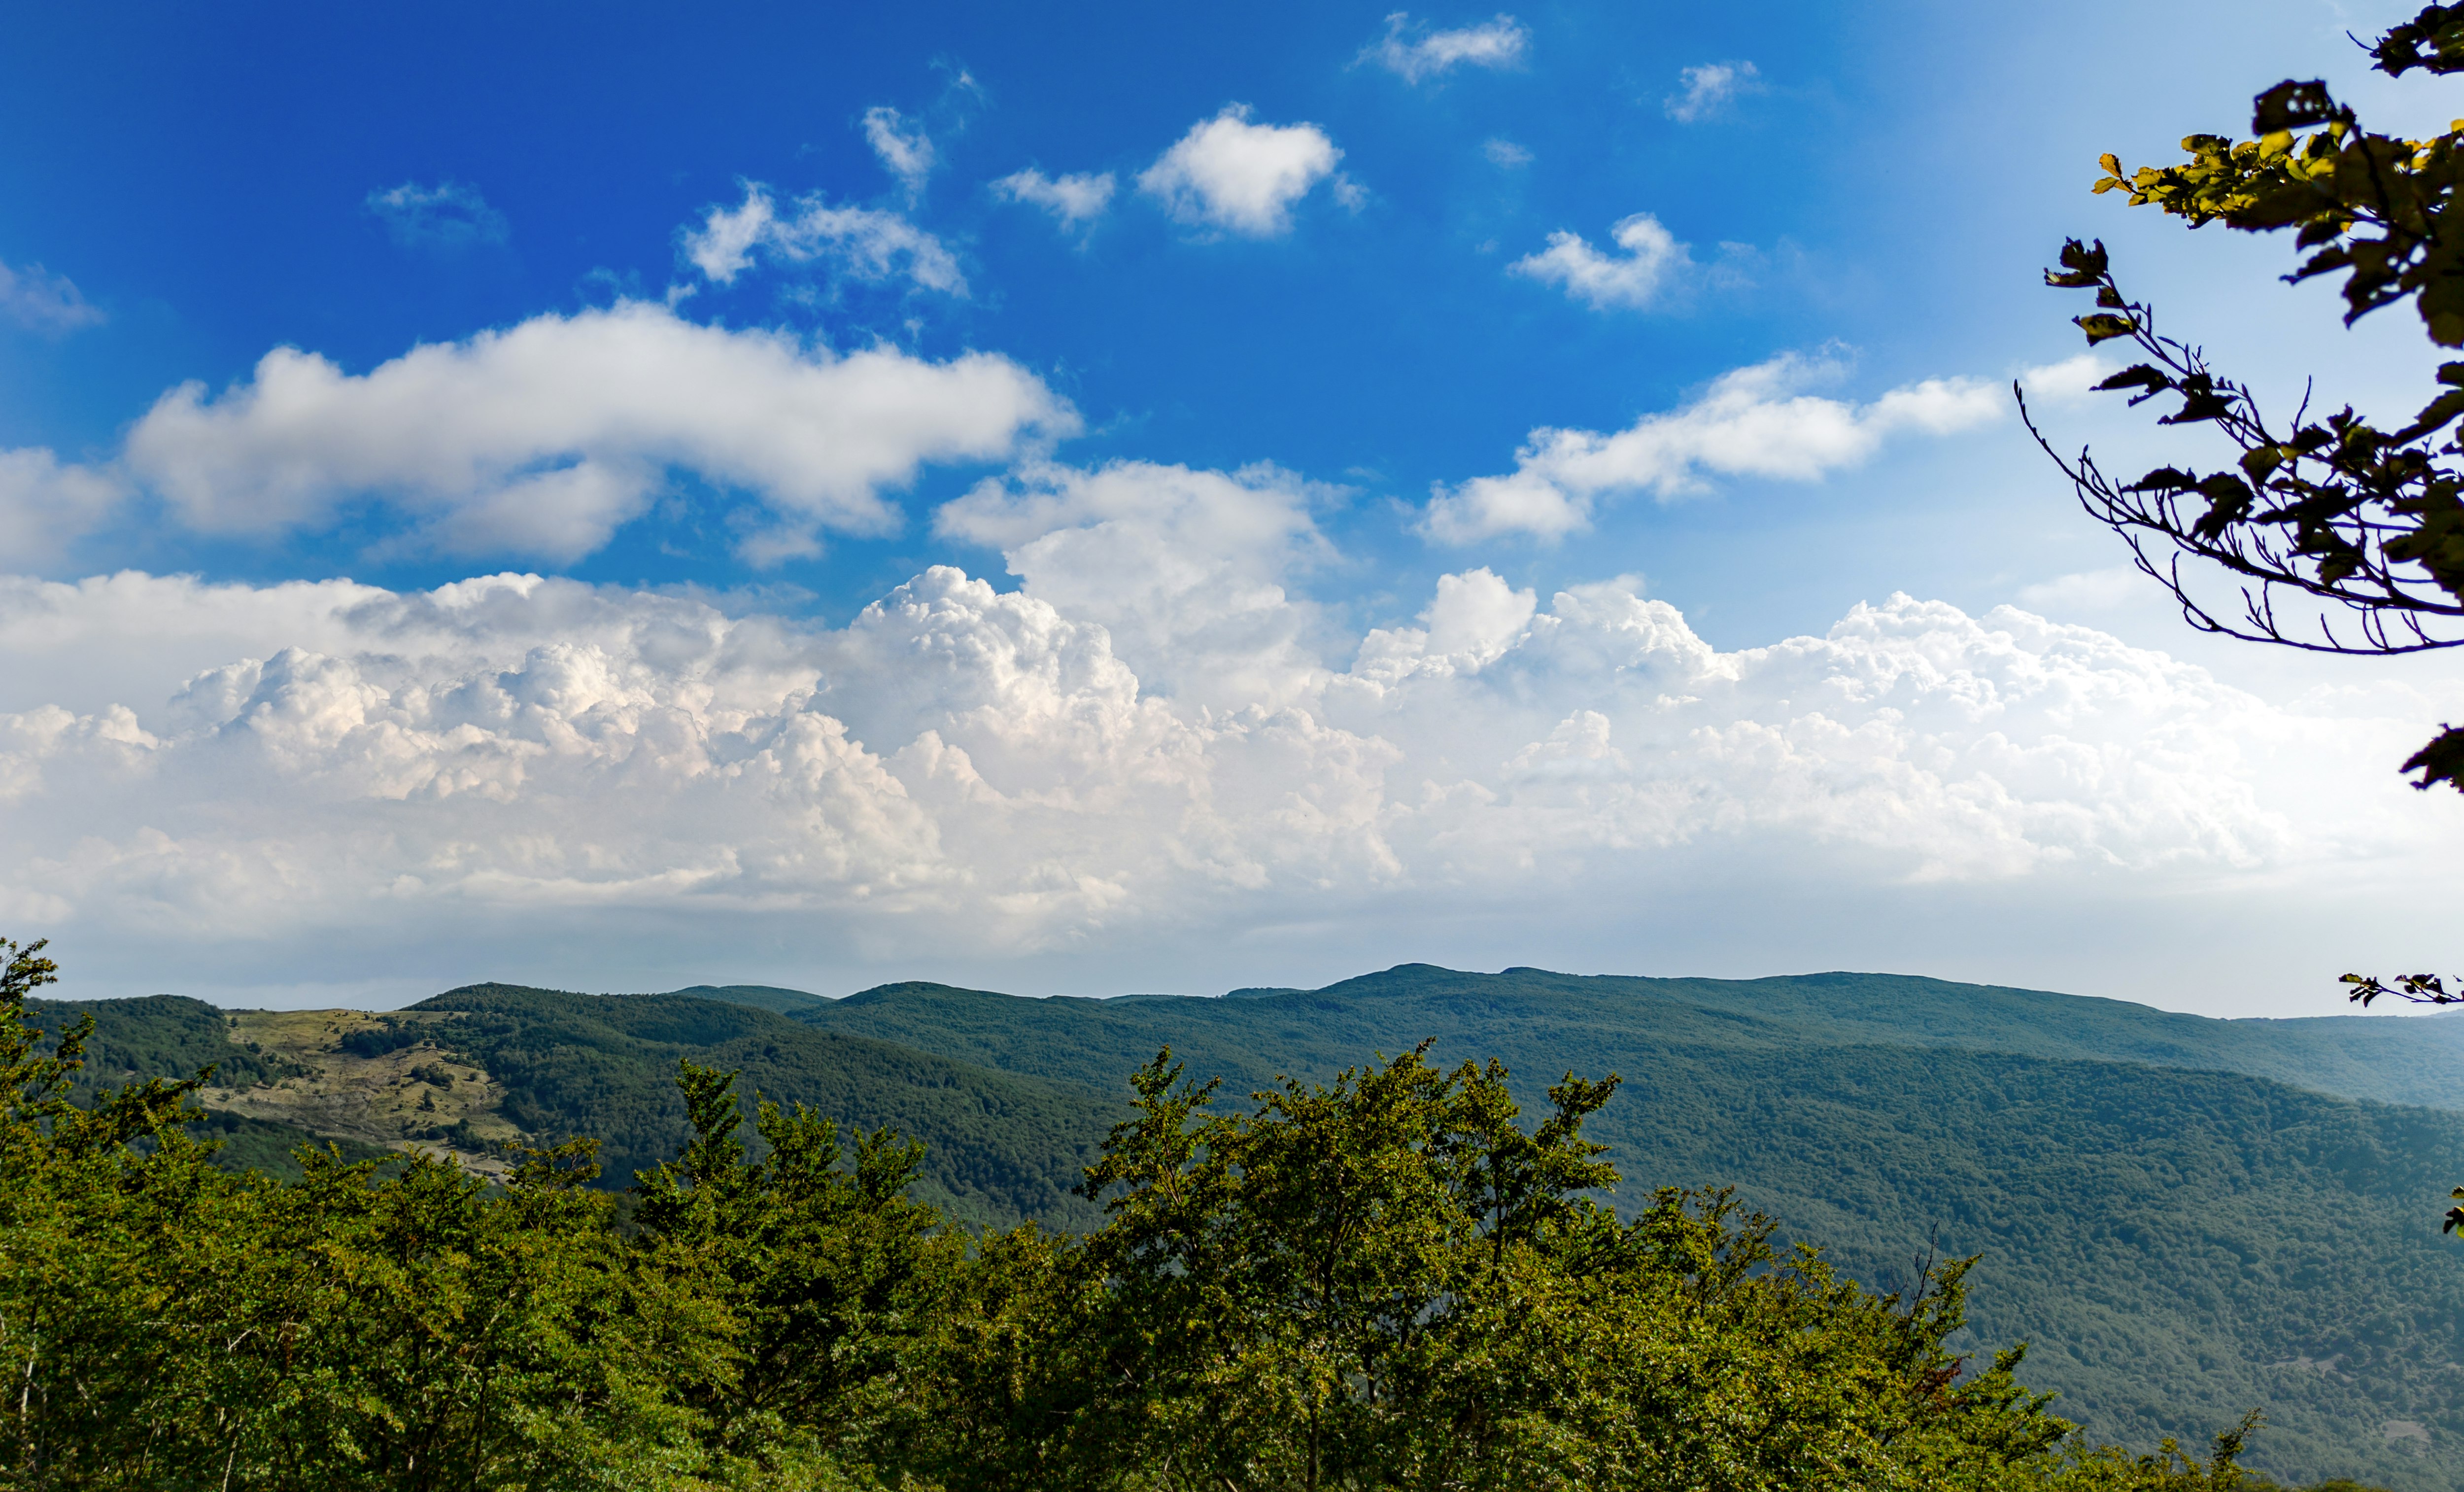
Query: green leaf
column 2292, row 105
column 2139, row 375
column 2084, row 259
column 2105, row 328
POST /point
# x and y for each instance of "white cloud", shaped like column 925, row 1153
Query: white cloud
column 1186, row 570
column 905, row 150
column 860, row 243
column 543, row 438
column 1231, row 174
column 1413, row 54
column 1604, row 282
column 1075, row 199
column 1505, row 154
column 2070, row 380
column 516, row 768
column 1752, row 421
column 446, row 216
column 35, row 298
column 45, row 503
column 1711, row 88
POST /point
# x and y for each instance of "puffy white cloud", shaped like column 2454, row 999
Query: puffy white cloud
column 45, row 503
column 1709, row 89
column 1414, row 52
column 1752, row 421
column 1231, row 174
column 543, row 438
column 1075, row 199
column 1185, row 569
column 1651, row 256
column 35, row 298
column 905, row 150
column 961, row 773
column 446, row 216
column 860, row 243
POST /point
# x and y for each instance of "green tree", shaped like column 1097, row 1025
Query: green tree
column 826, row 1278
column 2347, row 518
column 1385, row 1281
column 2338, row 516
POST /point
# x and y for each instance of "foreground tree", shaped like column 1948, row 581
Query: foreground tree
column 2342, row 519
column 1385, row 1281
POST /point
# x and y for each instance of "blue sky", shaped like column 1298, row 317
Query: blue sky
column 1260, row 384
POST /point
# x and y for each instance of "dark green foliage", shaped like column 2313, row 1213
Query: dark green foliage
column 1387, row 1281
column 376, row 1040
column 158, row 1036
column 2173, row 1235
column 2166, row 1238
column 760, row 997
column 1000, row 1147
column 2419, row 1062
column 262, row 1145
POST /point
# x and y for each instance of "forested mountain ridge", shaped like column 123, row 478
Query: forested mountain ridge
column 2179, row 1242
column 2418, row 1062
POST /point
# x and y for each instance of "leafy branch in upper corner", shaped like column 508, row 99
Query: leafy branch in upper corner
column 2335, row 509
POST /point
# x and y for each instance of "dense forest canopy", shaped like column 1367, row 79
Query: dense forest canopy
column 1389, row 1279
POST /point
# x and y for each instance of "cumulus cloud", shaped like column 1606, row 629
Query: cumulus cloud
column 544, row 438
column 445, row 217
column 35, row 298
column 1244, row 177
column 1075, row 199
column 905, row 150
column 963, row 772
column 1414, row 52
column 1707, row 90
column 1754, row 422
column 45, row 503
column 859, row 243
column 1186, row 570
column 1605, row 282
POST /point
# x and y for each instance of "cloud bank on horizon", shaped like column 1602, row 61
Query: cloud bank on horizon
column 960, row 773
column 922, row 516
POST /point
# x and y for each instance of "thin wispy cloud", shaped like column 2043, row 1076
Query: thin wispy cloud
column 905, row 152
column 1711, row 88
column 1075, row 199
column 1244, row 177
column 1415, row 54
column 1506, row 155
column 1609, row 281
column 446, row 216
column 860, row 243
column 35, row 298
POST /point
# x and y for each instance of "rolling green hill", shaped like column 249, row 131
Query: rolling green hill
column 2180, row 1242
column 760, row 997
column 1002, row 1146
column 2187, row 1218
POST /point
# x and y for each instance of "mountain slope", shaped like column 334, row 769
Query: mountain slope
column 760, row 997
column 1000, row 1146
column 2180, row 1242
